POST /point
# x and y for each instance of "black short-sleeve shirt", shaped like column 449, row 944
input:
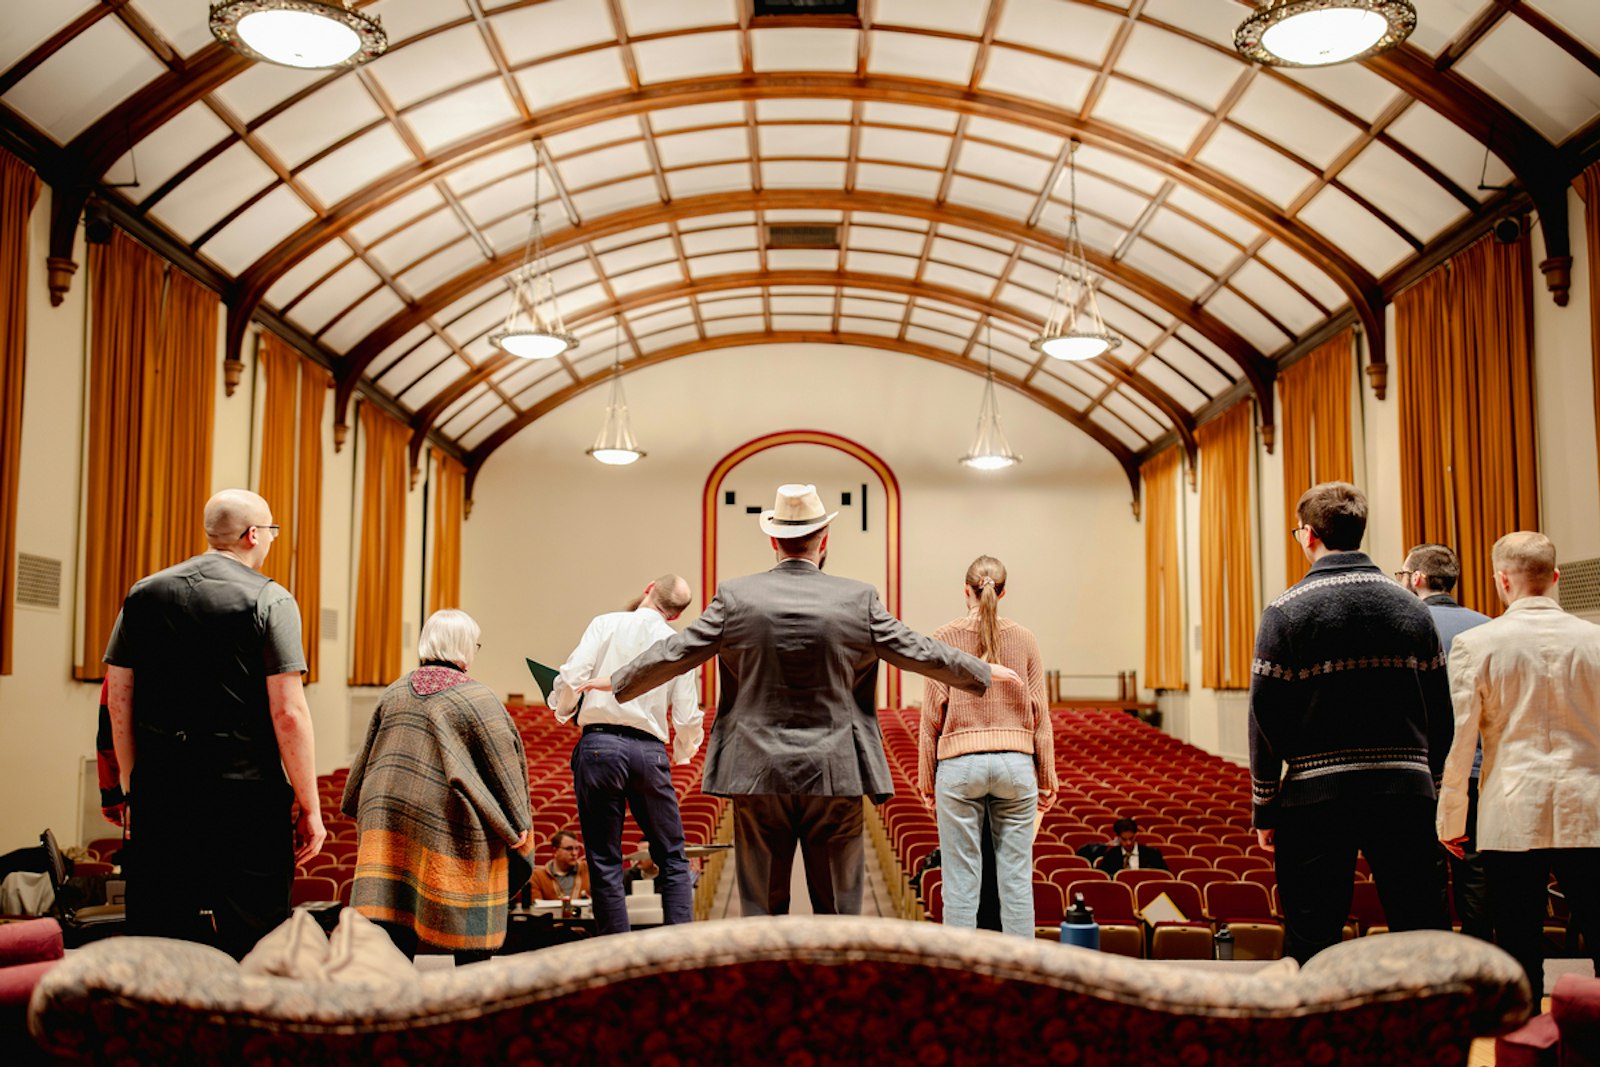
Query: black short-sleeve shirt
column 201, row 639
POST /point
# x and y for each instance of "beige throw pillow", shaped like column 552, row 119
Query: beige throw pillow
column 359, row 953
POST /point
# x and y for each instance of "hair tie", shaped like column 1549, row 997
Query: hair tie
column 986, row 581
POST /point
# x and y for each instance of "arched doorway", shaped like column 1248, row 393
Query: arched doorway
column 885, row 502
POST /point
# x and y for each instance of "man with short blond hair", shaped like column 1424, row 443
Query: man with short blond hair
column 208, row 716
column 1528, row 683
column 1349, row 726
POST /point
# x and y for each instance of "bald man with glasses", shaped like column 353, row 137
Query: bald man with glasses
column 213, row 738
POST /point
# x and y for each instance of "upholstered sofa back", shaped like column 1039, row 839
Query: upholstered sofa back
column 793, row 990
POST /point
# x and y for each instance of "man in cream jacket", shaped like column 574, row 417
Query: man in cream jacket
column 1529, row 682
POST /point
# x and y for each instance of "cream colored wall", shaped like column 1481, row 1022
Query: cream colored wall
column 555, row 538
column 1569, row 493
column 1569, row 474
column 47, row 720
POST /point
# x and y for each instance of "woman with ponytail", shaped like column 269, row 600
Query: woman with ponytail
column 988, row 757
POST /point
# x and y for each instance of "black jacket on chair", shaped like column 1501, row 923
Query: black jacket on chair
column 1149, row 859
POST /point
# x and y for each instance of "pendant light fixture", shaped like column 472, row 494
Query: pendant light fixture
column 299, row 33
column 1074, row 330
column 990, row 450
column 615, row 446
column 533, row 328
column 1316, row 33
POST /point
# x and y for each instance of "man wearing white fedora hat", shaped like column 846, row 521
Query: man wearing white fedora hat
column 796, row 741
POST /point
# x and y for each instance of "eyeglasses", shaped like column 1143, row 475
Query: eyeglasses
column 1403, row 576
column 274, row 527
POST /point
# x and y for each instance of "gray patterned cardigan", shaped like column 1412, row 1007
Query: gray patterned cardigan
column 1348, row 690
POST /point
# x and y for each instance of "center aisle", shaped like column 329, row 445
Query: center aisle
column 875, row 901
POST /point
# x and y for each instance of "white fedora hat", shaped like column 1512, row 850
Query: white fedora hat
column 797, row 511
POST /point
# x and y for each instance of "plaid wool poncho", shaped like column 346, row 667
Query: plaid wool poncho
column 439, row 792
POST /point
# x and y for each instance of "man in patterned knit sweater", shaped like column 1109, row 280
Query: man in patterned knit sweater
column 1348, row 692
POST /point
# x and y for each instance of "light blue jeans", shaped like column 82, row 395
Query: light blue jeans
column 1001, row 786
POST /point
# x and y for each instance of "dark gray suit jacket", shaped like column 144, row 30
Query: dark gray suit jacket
column 799, row 652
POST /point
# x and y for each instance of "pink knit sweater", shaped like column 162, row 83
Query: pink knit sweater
column 1004, row 719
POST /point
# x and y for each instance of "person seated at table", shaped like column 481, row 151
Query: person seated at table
column 564, row 876
column 1124, row 853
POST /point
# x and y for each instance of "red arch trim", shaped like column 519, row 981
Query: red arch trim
column 710, row 511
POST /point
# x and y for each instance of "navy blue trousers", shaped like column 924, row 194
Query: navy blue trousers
column 610, row 771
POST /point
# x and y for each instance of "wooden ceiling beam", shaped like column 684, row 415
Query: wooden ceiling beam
column 1357, row 283
column 1535, row 162
column 1124, row 456
column 1255, row 367
column 423, row 421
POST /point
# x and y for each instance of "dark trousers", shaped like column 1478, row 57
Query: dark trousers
column 828, row 830
column 1468, row 885
column 1316, row 848
column 610, row 769
column 211, row 862
column 1518, row 895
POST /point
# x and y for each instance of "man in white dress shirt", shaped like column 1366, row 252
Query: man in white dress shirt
column 1529, row 683
column 621, row 758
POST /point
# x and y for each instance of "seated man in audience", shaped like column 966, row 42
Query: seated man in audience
column 1126, row 854
column 564, row 876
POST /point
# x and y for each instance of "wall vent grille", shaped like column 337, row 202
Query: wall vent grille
column 766, row 9
column 330, row 624
column 803, row 235
column 38, row 581
column 1579, row 587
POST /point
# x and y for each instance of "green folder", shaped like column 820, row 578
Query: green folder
column 545, row 678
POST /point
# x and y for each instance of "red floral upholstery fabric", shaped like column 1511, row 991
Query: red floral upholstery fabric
column 797, row 992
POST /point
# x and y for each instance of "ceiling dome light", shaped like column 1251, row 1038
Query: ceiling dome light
column 299, row 33
column 1077, row 347
column 990, row 450
column 615, row 447
column 533, row 328
column 1316, row 33
column 1073, row 328
column 532, row 344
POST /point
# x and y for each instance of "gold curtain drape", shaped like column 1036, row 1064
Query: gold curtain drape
column 1468, row 462
column 1163, row 603
column 449, row 491
column 307, row 587
column 19, row 191
column 1423, row 382
column 380, row 574
column 175, row 435
column 125, row 284
column 1314, row 405
column 280, row 367
column 1227, row 581
column 1588, row 184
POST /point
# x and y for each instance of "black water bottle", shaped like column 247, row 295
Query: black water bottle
column 1078, row 926
column 1223, row 942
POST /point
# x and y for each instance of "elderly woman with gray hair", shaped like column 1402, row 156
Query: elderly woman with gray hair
column 439, row 792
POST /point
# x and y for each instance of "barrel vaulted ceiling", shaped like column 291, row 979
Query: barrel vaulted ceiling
column 1237, row 213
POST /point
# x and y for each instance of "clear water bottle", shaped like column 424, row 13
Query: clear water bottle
column 1223, row 942
column 1078, row 926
